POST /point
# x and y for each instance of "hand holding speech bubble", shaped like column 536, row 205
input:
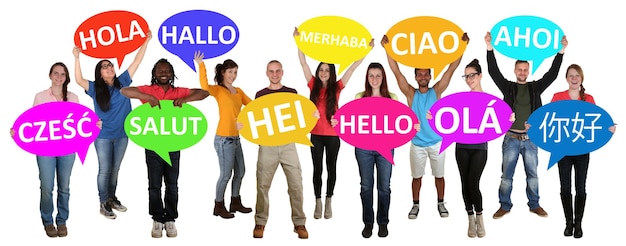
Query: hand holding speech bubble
column 376, row 123
column 334, row 39
column 425, row 42
column 470, row 118
column 56, row 129
column 111, row 34
column 210, row 32
column 167, row 128
column 529, row 38
column 277, row 119
column 569, row 127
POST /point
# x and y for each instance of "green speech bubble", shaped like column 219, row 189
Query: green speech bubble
column 165, row 129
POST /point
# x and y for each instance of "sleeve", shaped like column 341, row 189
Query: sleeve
column 589, row 98
column 92, row 89
column 310, row 84
column 36, row 101
column 494, row 71
column 340, row 85
column 555, row 97
column 358, row 95
column 550, row 76
column 124, row 79
column 244, row 98
column 71, row 97
column 204, row 82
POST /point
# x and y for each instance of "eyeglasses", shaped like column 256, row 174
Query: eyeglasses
column 106, row 65
column 469, row 76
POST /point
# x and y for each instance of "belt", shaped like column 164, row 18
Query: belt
column 520, row 136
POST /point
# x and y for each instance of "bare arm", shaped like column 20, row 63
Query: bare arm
column 78, row 74
column 305, row 67
column 403, row 84
column 194, row 95
column 142, row 51
column 348, row 73
column 442, row 84
column 133, row 92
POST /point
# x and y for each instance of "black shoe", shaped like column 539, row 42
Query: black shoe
column 382, row 231
column 367, row 230
column 569, row 230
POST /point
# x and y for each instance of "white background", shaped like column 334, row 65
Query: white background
column 35, row 35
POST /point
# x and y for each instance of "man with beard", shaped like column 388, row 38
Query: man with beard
column 162, row 88
column 426, row 143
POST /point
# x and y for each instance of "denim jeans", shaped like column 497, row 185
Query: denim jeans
column 110, row 154
column 512, row 148
column 159, row 171
column 48, row 167
column 367, row 160
column 230, row 156
column 580, row 163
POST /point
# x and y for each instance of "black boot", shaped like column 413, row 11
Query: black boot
column 566, row 200
column 579, row 210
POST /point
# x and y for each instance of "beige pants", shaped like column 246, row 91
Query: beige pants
column 268, row 159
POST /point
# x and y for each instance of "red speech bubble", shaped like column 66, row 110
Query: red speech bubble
column 111, row 34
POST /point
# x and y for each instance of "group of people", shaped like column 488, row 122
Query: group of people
column 111, row 96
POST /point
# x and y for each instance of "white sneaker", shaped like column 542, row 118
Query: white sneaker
column 157, row 229
column 443, row 212
column 414, row 210
column 170, row 229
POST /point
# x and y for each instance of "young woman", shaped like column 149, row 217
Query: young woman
column 375, row 86
column 112, row 107
column 580, row 163
column 227, row 143
column 325, row 90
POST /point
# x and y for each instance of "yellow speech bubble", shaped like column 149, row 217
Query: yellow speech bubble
column 278, row 119
column 334, row 39
column 425, row 42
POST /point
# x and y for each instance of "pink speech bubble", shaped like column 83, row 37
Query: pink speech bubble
column 376, row 123
column 56, row 129
column 469, row 118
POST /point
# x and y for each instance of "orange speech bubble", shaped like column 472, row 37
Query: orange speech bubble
column 425, row 42
column 111, row 34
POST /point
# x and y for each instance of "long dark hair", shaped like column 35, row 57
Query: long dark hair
column 67, row 78
column 153, row 81
column 221, row 68
column 578, row 69
column 103, row 97
column 384, row 91
column 331, row 90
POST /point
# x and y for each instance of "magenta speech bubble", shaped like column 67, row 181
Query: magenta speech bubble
column 376, row 123
column 56, row 129
column 469, row 118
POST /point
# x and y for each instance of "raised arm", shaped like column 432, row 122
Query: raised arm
column 403, row 84
column 133, row 92
column 142, row 51
column 550, row 76
column 305, row 67
column 442, row 84
column 78, row 74
column 492, row 66
column 348, row 73
column 194, row 95
column 204, row 82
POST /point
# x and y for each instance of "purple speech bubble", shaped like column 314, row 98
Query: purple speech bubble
column 376, row 123
column 56, row 129
column 470, row 118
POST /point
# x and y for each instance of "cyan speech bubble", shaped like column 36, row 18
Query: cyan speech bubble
column 569, row 127
column 56, row 129
column 376, row 123
column 210, row 32
column 470, row 118
column 529, row 38
column 166, row 129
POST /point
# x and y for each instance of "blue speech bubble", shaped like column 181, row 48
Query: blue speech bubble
column 210, row 32
column 569, row 127
column 529, row 38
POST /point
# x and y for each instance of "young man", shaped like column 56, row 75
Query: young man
column 524, row 98
column 426, row 143
column 162, row 88
column 269, row 157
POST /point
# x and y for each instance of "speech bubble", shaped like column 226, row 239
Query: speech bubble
column 376, row 123
column 569, row 127
column 470, row 118
column 111, row 34
column 334, row 40
column 277, row 119
column 526, row 37
column 425, row 42
column 210, row 32
column 56, row 129
column 166, row 129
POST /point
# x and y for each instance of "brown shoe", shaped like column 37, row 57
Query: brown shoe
column 501, row 212
column 62, row 230
column 258, row 231
column 539, row 211
column 51, row 231
column 301, row 230
column 220, row 210
column 236, row 206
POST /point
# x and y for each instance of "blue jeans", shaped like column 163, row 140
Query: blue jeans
column 512, row 148
column 230, row 158
column 48, row 167
column 110, row 154
column 158, row 172
column 367, row 160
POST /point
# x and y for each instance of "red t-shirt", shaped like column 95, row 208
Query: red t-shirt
column 157, row 91
column 564, row 95
column 323, row 126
